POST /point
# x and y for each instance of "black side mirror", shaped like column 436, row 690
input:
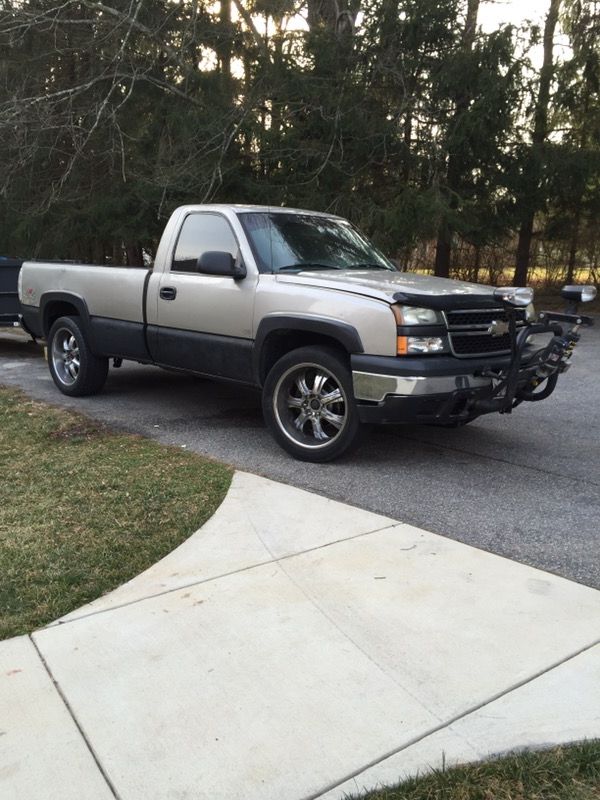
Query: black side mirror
column 216, row 262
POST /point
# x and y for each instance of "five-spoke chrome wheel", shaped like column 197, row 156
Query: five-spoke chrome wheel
column 65, row 356
column 311, row 405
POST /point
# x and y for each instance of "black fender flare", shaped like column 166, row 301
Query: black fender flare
column 342, row 332
column 73, row 299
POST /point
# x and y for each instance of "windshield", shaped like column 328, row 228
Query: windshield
column 283, row 242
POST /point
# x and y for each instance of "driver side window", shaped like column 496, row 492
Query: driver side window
column 199, row 234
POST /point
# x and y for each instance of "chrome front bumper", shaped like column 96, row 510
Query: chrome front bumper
column 375, row 388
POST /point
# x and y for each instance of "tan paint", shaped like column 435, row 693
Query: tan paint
column 372, row 318
column 114, row 292
column 212, row 304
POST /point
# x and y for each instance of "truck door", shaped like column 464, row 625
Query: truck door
column 205, row 321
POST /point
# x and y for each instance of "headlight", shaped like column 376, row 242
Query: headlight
column 530, row 313
column 419, row 345
column 411, row 315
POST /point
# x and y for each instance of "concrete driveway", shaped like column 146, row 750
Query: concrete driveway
column 296, row 648
column 526, row 486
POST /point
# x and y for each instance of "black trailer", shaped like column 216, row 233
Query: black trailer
column 10, row 308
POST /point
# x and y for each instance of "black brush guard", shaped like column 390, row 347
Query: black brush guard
column 531, row 375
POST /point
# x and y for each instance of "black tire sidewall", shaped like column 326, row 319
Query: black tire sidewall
column 92, row 369
column 334, row 363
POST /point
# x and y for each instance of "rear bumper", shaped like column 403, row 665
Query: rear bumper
column 9, row 320
column 31, row 321
column 438, row 389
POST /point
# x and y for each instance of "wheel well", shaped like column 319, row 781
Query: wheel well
column 279, row 342
column 56, row 309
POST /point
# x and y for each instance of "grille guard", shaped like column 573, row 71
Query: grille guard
column 520, row 380
column 525, row 373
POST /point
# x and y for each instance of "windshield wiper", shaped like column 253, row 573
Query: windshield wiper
column 302, row 267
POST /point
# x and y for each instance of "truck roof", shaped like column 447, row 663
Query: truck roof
column 242, row 208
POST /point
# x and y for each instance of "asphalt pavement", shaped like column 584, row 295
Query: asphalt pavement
column 525, row 485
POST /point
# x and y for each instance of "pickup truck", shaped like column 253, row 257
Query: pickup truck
column 303, row 306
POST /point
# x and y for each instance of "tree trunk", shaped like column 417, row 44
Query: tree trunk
column 443, row 250
column 224, row 48
column 538, row 137
column 523, row 250
column 117, row 254
column 406, row 161
column 574, row 244
column 134, row 254
column 477, row 264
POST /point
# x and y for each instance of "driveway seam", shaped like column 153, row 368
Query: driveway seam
column 340, row 630
column 330, row 787
column 272, row 560
column 76, row 722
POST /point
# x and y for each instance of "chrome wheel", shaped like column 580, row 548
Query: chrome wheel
column 65, row 356
column 310, row 405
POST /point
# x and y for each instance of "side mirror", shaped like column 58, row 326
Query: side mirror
column 216, row 262
column 516, row 296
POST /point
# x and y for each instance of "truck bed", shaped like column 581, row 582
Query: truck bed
column 109, row 299
column 110, row 292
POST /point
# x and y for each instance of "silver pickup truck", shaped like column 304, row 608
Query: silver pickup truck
column 303, row 306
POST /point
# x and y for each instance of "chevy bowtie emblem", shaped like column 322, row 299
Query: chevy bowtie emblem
column 498, row 328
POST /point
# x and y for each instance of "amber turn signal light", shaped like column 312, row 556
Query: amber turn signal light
column 402, row 348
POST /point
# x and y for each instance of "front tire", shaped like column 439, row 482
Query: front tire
column 309, row 407
column 74, row 368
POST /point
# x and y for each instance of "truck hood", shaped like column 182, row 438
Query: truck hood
column 396, row 287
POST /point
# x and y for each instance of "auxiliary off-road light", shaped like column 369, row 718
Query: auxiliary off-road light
column 517, row 296
column 578, row 294
column 419, row 345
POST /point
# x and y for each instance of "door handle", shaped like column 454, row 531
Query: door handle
column 168, row 293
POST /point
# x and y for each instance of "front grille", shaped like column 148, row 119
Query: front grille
column 480, row 344
column 466, row 318
column 468, row 331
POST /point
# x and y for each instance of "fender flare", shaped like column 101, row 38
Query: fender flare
column 342, row 332
column 65, row 297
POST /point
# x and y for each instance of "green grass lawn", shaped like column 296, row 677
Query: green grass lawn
column 83, row 509
column 563, row 773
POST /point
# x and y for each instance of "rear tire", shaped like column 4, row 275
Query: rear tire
column 74, row 368
column 309, row 407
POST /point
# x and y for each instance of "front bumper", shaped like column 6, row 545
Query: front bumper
column 437, row 389
column 375, row 388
